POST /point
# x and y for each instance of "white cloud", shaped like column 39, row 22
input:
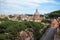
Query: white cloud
column 54, row 2
column 27, row 2
column 33, row 3
column 23, row 5
column 21, row 2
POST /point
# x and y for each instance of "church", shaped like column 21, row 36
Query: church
column 35, row 18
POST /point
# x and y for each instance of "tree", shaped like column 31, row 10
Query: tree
column 11, row 16
column 54, row 14
column 12, row 28
column 46, row 21
column 2, row 36
column 36, row 27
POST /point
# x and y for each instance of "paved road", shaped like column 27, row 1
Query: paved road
column 56, row 37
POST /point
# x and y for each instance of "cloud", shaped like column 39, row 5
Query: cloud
column 21, row 2
column 54, row 2
column 26, row 2
column 23, row 5
column 32, row 3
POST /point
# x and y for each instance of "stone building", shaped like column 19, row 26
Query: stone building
column 15, row 17
column 18, row 17
column 2, row 16
column 36, row 17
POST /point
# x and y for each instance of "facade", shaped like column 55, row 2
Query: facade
column 14, row 17
column 36, row 17
column 2, row 16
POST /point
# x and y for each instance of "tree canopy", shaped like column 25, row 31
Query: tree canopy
column 54, row 14
column 9, row 29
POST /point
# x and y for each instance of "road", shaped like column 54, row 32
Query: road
column 56, row 37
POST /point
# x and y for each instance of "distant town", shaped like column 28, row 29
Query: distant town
column 36, row 17
column 13, row 25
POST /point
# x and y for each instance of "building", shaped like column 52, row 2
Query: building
column 15, row 17
column 19, row 17
column 2, row 16
column 36, row 17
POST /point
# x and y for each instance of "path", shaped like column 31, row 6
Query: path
column 56, row 37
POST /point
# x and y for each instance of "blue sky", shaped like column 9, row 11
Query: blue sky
column 28, row 6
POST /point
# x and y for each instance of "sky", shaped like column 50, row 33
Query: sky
column 28, row 6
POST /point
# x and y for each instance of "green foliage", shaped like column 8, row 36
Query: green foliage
column 54, row 14
column 11, row 29
column 36, row 27
column 2, row 36
column 46, row 21
column 4, row 19
column 11, row 16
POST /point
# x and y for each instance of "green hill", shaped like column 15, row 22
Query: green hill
column 54, row 14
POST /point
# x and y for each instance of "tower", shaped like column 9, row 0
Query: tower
column 36, row 13
column 36, row 17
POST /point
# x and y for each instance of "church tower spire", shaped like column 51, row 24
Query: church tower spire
column 36, row 13
column 36, row 10
column 36, row 16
